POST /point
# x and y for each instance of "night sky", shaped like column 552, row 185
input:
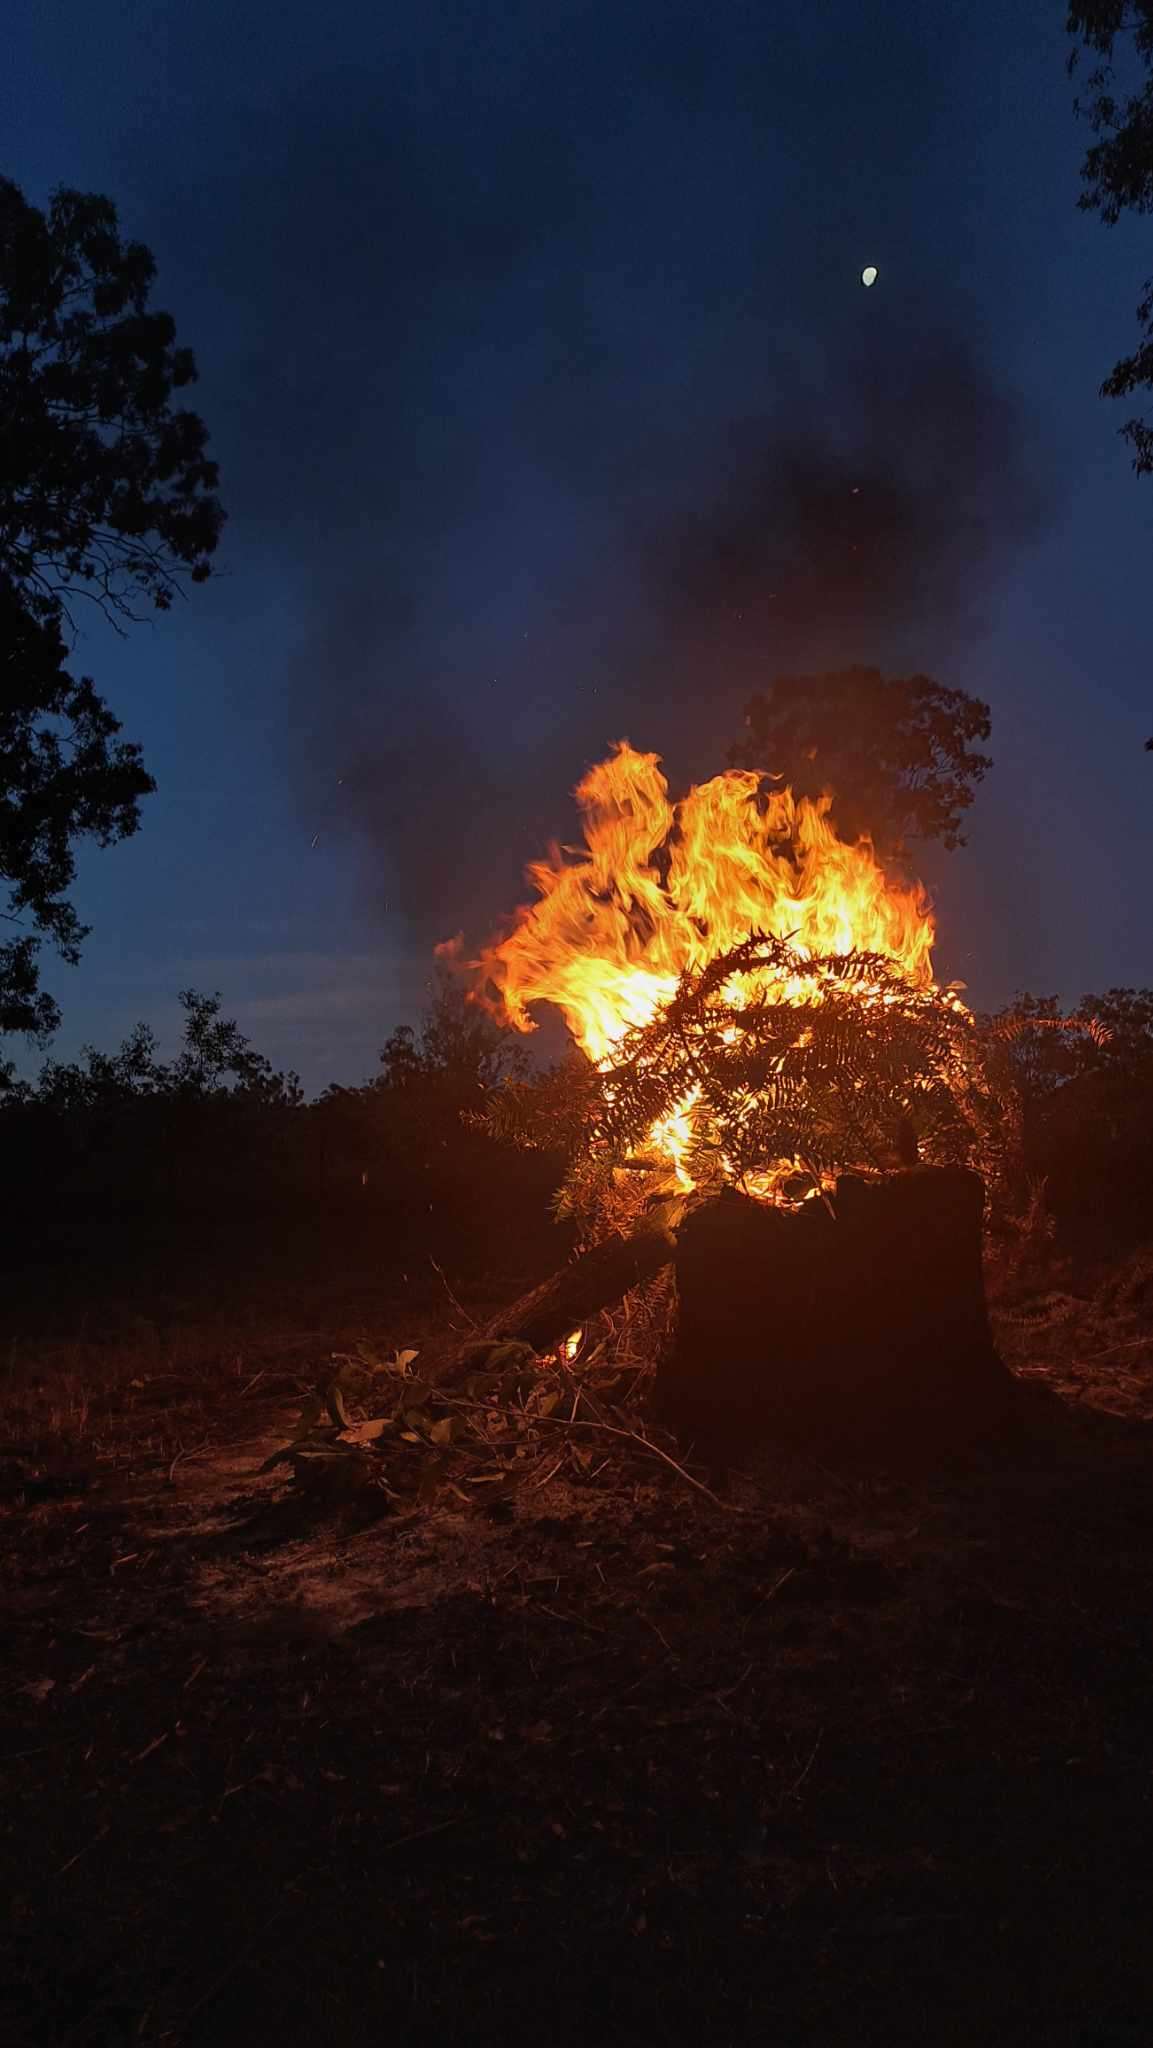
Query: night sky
column 535, row 356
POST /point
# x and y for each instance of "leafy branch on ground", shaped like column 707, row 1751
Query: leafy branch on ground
column 376, row 1435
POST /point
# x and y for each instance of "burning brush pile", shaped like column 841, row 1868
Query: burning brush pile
column 777, row 1083
column 755, row 999
column 775, row 1099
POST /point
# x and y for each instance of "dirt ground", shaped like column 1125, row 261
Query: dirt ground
column 847, row 1759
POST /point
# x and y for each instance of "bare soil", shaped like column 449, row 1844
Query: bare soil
column 850, row 1759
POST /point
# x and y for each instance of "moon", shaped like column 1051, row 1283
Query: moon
column 869, row 274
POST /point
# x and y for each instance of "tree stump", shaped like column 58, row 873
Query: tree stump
column 864, row 1332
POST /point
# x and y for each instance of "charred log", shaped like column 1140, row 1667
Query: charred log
column 864, row 1331
column 579, row 1290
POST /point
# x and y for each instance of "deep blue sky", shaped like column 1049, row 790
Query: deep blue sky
column 510, row 320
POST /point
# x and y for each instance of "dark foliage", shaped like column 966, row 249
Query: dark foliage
column 548, row 1110
column 1039, row 1043
column 1117, row 171
column 105, row 490
column 459, row 1058
column 1047, row 1046
column 65, row 776
column 106, row 493
column 216, row 1060
column 897, row 753
column 216, row 1148
column 1084, row 1078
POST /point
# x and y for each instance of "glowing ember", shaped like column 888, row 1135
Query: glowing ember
column 571, row 1345
column 659, row 888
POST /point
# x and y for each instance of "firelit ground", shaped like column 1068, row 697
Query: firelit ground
column 857, row 1763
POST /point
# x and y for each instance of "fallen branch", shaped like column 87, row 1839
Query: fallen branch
column 592, row 1282
column 458, row 1306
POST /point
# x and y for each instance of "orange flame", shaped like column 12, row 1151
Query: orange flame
column 659, row 888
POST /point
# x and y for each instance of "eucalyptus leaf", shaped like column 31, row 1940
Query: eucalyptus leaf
column 334, row 1397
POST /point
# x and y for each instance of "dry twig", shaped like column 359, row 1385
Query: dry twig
column 458, row 1306
column 646, row 1444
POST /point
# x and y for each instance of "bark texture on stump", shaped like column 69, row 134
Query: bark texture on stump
column 862, row 1332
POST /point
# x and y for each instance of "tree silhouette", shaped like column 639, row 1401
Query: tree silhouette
column 895, row 753
column 106, row 494
column 64, row 777
column 459, row 1057
column 1117, row 171
column 216, row 1063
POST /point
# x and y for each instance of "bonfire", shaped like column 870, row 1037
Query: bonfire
column 791, row 1099
column 779, row 1103
column 755, row 995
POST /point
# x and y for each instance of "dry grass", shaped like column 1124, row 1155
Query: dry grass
column 1088, row 1339
column 139, row 1394
column 141, row 1389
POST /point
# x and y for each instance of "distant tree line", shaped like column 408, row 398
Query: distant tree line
column 123, row 1151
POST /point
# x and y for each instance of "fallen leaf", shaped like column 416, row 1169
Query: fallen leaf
column 366, row 1432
